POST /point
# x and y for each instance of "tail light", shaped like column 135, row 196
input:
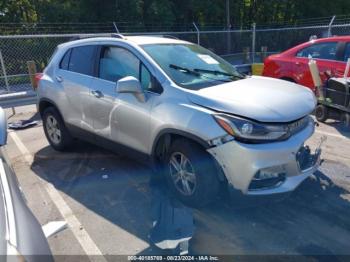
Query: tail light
column 37, row 78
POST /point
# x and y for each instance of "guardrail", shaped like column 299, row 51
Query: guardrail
column 18, row 99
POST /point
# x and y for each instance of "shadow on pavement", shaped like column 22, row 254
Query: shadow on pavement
column 313, row 220
column 340, row 127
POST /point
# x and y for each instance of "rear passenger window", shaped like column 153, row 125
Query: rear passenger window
column 65, row 61
column 82, row 60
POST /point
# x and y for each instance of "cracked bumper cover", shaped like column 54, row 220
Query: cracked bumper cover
column 240, row 162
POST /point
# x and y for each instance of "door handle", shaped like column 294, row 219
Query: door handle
column 97, row 93
column 59, row 79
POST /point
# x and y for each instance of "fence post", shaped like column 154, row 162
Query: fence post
column 263, row 53
column 5, row 77
column 330, row 27
column 116, row 28
column 253, row 42
column 4, row 71
column 246, row 55
column 32, row 71
column 198, row 33
column 228, row 27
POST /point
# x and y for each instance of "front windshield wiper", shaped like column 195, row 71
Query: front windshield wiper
column 184, row 70
column 217, row 72
column 196, row 73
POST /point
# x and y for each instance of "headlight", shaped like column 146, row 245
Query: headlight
column 249, row 131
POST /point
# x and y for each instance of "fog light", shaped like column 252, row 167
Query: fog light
column 268, row 177
column 266, row 174
column 270, row 172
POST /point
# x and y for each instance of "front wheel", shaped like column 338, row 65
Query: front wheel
column 191, row 173
column 55, row 130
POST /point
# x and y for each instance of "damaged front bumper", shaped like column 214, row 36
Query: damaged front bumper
column 263, row 169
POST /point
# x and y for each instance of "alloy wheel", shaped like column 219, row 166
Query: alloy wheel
column 53, row 129
column 182, row 173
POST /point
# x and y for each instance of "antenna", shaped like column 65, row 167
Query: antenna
column 120, row 36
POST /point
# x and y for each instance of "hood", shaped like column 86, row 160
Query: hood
column 260, row 98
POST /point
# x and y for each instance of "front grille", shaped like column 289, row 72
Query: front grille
column 297, row 126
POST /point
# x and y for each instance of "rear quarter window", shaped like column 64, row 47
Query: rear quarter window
column 65, row 60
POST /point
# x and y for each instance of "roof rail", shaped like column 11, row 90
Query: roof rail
column 120, row 36
column 170, row 36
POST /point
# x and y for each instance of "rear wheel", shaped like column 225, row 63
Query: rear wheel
column 321, row 113
column 191, row 173
column 55, row 130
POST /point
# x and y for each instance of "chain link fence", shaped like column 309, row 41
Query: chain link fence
column 237, row 46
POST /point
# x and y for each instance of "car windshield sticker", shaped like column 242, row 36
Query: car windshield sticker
column 208, row 59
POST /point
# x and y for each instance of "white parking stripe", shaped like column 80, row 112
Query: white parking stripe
column 74, row 224
column 331, row 134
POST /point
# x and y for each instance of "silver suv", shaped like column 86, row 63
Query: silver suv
column 183, row 109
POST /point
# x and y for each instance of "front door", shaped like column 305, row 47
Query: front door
column 326, row 57
column 121, row 117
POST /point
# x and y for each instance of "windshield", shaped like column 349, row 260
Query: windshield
column 192, row 66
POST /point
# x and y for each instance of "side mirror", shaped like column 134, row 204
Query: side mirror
column 130, row 84
column 3, row 127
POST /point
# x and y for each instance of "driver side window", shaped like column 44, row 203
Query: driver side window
column 116, row 63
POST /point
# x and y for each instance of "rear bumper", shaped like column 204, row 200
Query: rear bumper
column 241, row 162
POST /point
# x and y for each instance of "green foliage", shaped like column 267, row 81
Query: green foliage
column 168, row 12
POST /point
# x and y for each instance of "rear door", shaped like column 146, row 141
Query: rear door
column 326, row 55
column 75, row 75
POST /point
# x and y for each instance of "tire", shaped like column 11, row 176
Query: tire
column 55, row 130
column 203, row 184
column 321, row 113
column 346, row 119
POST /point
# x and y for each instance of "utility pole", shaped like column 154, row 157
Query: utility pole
column 228, row 26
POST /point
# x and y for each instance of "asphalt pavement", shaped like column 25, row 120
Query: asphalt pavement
column 106, row 200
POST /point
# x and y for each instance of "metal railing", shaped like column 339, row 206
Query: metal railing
column 237, row 46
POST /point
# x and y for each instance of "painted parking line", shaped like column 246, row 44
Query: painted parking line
column 74, row 224
column 331, row 134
